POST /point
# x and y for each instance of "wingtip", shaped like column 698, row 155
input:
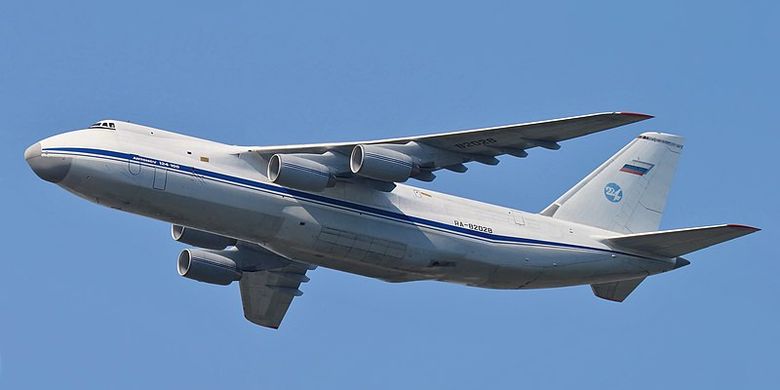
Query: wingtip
column 635, row 114
column 752, row 229
column 680, row 262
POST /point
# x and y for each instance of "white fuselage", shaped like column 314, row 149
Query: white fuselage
column 404, row 235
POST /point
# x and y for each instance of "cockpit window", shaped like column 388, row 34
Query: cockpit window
column 103, row 125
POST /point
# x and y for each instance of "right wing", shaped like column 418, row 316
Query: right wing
column 424, row 154
column 487, row 141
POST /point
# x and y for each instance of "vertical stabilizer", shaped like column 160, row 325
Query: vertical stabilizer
column 627, row 193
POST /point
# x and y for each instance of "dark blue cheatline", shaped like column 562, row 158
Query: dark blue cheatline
column 319, row 199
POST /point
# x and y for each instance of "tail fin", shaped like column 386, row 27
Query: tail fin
column 627, row 193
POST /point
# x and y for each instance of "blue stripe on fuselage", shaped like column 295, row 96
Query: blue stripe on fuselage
column 301, row 195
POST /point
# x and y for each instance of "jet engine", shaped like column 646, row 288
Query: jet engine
column 380, row 163
column 200, row 238
column 207, row 266
column 298, row 171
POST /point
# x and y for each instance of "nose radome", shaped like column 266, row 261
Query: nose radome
column 33, row 151
column 49, row 168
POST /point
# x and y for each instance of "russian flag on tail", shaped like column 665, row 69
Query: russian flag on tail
column 637, row 167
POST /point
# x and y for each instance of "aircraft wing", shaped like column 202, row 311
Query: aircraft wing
column 266, row 295
column 427, row 153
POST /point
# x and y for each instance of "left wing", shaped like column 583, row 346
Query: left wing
column 266, row 295
column 268, row 284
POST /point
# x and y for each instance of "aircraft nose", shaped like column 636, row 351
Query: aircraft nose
column 52, row 169
column 33, row 151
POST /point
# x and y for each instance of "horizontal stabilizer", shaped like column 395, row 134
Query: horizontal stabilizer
column 677, row 242
column 616, row 291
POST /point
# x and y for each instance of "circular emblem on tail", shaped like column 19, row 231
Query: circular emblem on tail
column 613, row 192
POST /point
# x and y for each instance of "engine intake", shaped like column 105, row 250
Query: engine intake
column 207, row 266
column 299, row 172
column 200, row 238
column 380, row 163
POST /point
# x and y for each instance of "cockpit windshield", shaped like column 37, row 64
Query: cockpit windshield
column 103, row 125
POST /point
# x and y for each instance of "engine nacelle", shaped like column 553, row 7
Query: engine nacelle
column 200, row 238
column 380, row 163
column 207, row 266
column 297, row 171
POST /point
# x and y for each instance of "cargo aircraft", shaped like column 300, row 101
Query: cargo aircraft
column 265, row 215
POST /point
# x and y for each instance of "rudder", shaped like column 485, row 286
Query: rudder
column 628, row 192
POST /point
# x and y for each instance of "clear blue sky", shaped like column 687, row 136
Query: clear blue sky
column 89, row 297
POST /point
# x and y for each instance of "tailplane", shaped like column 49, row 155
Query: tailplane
column 665, row 243
column 616, row 291
column 677, row 242
column 627, row 193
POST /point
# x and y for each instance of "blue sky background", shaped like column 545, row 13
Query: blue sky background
column 89, row 297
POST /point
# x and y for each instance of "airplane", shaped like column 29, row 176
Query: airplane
column 265, row 215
